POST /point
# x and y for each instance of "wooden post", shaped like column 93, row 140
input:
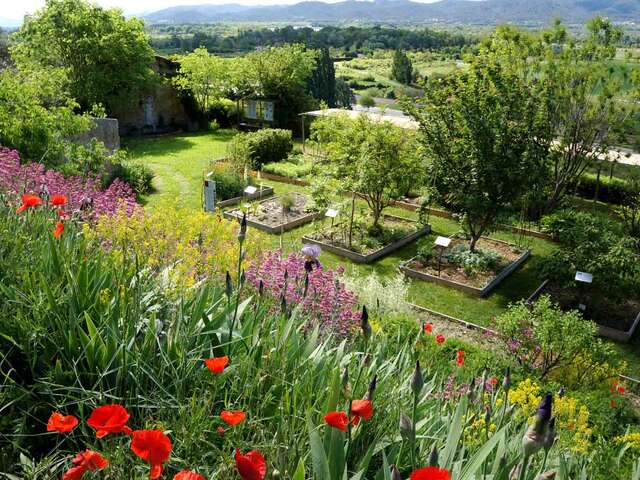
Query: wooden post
column 302, row 119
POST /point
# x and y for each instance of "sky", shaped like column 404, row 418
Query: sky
column 15, row 10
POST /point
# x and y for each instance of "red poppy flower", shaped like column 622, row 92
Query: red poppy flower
column 621, row 389
column 85, row 461
column 109, row 419
column 58, row 200
column 362, row 408
column 217, row 364
column 188, row 475
column 440, row 338
column 232, row 418
column 460, row 358
column 154, row 447
column 29, row 201
column 337, row 420
column 59, row 229
column 493, row 381
column 430, row 473
column 428, row 327
column 251, row 466
column 61, row 423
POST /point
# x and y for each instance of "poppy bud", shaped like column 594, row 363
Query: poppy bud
column 242, row 233
column 261, row 288
column 506, row 383
column 433, row 457
column 487, row 416
column 406, row 428
column 345, row 377
column 364, row 323
column 275, row 473
column 242, row 278
column 417, row 382
column 534, row 437
column 550, row 436
column 484, row 383
column 372, row 387
column 229, row 285
column 395, row 474
column 286, row 275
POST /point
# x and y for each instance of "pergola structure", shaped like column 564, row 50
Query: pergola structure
column 401, row 121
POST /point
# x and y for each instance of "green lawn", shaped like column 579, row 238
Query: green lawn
column 179, row 163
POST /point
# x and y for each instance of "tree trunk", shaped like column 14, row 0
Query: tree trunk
column 472, row 244
column 353, row 209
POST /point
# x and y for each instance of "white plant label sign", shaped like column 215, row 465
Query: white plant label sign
column 331, row 213
column 443, row 241
column 250, row 190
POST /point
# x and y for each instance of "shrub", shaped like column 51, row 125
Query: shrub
column 327, row 303
column 260, row 147
column 229, row 182
column 473, row 262
column 366, row 101
column 612, row 190
column 383, row 296
column 137, row 175
column 187, row 246
column 543, row 338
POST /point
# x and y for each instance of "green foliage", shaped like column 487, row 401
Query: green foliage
column 137, row 175
column 344, row 96
column 295, row 166
column 614, row 190
column 323, row 80
column 402, row 69
column 267, row 145
column 542, row 337
column 105, row 56
column 230, row 183
column 37, row 115
column 366, row 100
column 205, row 76
column 592, row 244
column 370, row 157
column 473, row 262
column 481, row 131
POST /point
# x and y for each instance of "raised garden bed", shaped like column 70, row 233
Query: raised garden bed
column 332, row 243
column 616, row 320
column 454, row 276
column 266, row 191
column 268, row 215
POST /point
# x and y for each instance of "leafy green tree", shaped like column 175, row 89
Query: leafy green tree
column 323, row 80
column 37, row 114
column 205, row 76
column 402, row 69
column 369, row 156
column 480, row 131
column 280, row 73
column 345, row 97
column 105, row 56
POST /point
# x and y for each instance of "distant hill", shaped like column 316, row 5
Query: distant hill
column 405, row 11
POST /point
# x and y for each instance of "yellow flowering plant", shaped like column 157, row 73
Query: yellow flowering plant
column 189, row 246
column 572, row 416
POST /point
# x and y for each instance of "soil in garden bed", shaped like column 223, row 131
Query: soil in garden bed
column 367, row 240
column 455, row 273
column 271, row 213
column 604, row 311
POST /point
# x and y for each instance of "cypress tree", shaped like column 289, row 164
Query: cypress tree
column 402, row 70
column 323, row 80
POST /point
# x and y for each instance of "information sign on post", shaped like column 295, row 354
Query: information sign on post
column 583, row 278
column 250, row 190
column 209, row 195
column 441, row 243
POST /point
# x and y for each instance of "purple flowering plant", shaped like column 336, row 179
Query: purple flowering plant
column 85, row 195
column 327, row 302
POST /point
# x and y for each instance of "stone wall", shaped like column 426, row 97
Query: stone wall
column 106, row 130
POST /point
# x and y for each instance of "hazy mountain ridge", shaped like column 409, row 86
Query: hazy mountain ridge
column 403, row 11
